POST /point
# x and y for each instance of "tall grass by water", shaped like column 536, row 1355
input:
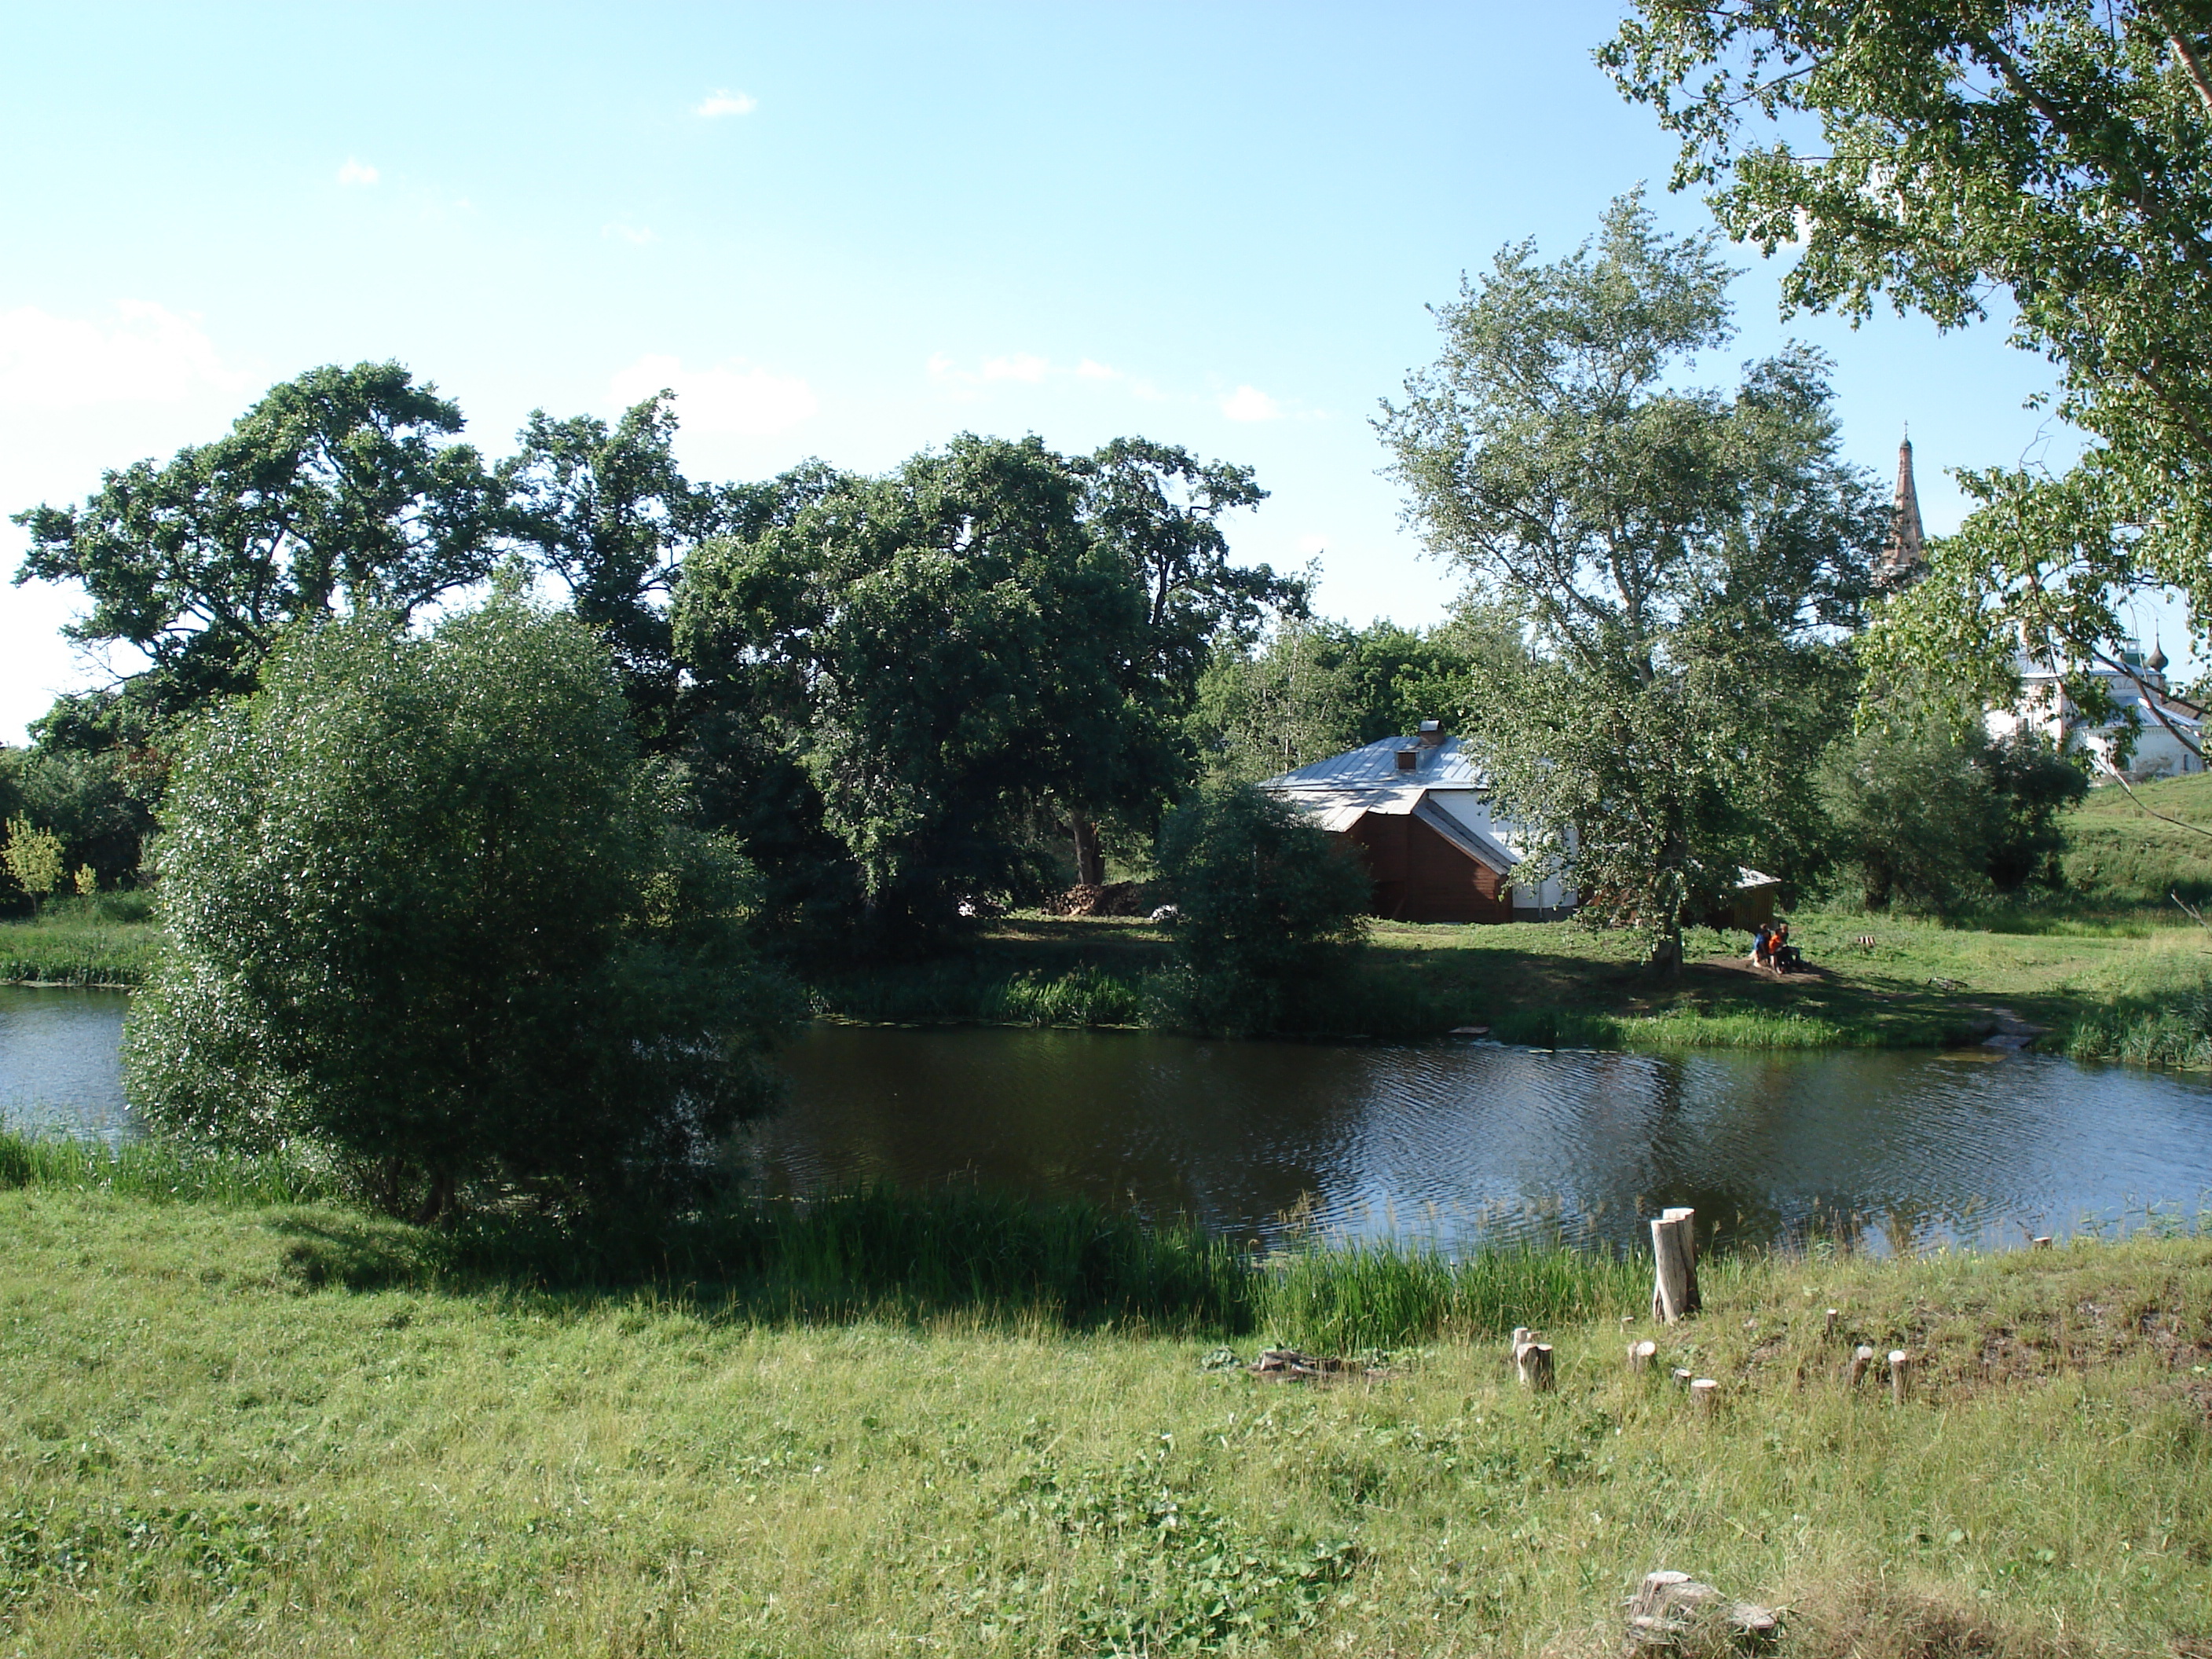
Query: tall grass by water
column 104, row 938
column 162, row 1171
column 981, row 992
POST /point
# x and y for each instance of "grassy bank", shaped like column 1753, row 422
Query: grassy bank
column 103, row 940
column 2110, row 966
column 209, row 1448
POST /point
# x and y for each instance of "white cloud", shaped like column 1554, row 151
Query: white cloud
column 357, row 173
column 723, row 102
column 1089, row 370
column 735, row 396
column 635, row 235
column 1020, row 367
column 1249, row 403
column 149, row 354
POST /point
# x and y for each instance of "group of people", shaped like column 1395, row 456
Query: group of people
column 1770, row 948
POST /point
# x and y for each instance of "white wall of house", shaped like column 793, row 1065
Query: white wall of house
column 1470, row 808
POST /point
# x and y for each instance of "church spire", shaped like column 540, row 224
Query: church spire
column 1904, row 555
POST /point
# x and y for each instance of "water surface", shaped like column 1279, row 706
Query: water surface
column 1449, row 1140
column 1457, row 1140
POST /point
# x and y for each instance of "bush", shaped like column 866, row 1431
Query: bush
column 1273, row 914
column 427, row 912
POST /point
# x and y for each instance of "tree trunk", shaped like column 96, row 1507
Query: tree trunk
column 1089, row 857
column 435, row 1201
column 1665, row 959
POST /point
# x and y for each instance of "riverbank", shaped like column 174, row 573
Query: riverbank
column 2109, row 969
column 212, row 1446
column 107, row 941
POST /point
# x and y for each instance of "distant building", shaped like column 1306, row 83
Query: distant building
column 1420, row 813
column 1904, row 554
column 2139, row 697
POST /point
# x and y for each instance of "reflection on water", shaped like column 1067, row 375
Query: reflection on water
column 59, row 1072
column 1457, row 1141
column 1449, row 1141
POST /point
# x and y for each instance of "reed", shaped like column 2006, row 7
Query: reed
column 981, row 992
column 1350, row 1297
column 162, row 1171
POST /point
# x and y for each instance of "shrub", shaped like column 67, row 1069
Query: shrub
column 1273, row 914
column 427, row 912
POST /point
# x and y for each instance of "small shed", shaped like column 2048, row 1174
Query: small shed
column 1419, row 811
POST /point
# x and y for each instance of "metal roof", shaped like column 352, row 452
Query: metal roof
column 1439, row 766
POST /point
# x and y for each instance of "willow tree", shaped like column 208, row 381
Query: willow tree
column 429, row 913
column 1686, row 558
column 2052, row 157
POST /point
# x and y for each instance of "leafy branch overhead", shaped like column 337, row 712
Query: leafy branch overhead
column 2052, row 161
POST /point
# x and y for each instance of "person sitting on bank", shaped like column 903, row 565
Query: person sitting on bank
column 1785, row 955
column 1762, row 946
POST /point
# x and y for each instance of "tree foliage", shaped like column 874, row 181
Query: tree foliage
column 932, row 664
column 427, row 910
column 338, row 490
column 1273, row 910
column 1685, row 560
column 2057, row 154
column 33, row 858
column 1314, row 687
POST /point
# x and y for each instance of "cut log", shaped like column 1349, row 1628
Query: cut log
column 1674, row 1276
column 1900, row 1375
column 1668, row 1602
column 1534, row 1361
column 1640, row 1354
column 1705, row 1394
column 1860, row 1360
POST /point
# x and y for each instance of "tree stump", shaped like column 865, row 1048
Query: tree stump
column 1860, row 1360
column 1674, row 1263
column 1640, row 1354
column 1532, row 1360
column 1688, row 1218
column 1705, row 1394
column 1834, row 1315
column 1669, row 1603
column 1900, row 1375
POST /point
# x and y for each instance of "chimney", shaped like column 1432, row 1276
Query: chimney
column 1433, row 734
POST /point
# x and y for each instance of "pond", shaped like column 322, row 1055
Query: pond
column 1452, row 1141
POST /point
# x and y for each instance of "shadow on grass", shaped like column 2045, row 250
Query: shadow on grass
column 881, row 1254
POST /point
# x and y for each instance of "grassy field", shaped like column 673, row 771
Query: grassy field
column 210, row 1446
column 104, row 940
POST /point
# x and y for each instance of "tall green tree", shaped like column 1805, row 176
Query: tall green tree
column 1160, row 509
column 428, row 911
column 2056, row 156
column 340, row 489
column 1683, row 558
column 944, row 653
column 607, row 510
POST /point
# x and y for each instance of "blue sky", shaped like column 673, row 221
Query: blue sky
column 836, row 230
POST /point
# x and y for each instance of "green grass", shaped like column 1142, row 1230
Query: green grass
column 206, row 1448
column 2120, row 856
column 105, row 940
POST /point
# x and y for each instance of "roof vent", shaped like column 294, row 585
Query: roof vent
column 1407, row 759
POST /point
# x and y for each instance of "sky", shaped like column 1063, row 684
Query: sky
column 841, row 231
